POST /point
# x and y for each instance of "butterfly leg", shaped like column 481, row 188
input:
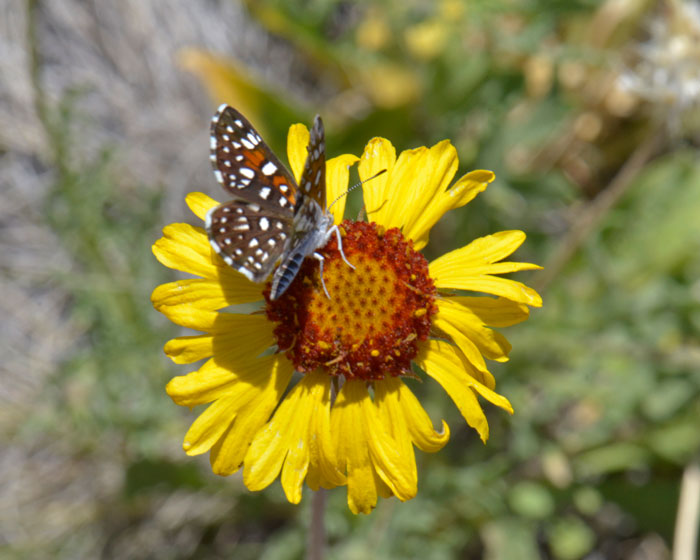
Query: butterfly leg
column 336, row 230
column 320, row 259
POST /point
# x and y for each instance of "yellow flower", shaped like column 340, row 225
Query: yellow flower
column 350, row 417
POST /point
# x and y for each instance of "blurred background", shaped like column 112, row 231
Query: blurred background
column 587, row 110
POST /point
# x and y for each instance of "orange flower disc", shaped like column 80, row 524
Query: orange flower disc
column 376, row 314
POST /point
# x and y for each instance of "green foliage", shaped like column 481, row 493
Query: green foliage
column 604, row 379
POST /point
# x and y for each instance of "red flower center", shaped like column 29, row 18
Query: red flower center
column 376, row 314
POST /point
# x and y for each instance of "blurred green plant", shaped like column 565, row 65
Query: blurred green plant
column 605, row 379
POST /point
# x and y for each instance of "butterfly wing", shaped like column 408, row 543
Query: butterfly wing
column 313, row 178
column 246, row 167
column 247, row 237
column 252, row 231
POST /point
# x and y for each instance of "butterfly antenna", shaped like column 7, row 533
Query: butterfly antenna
column 355, row 186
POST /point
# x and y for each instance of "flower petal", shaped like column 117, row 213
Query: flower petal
column 190, row 349
column 210, row 294
column 186, row 248
column 209, row 426
column 486, row 341
column 466, row 345
column 495, row 312
column 297, row 437
column 471, row 268
column 337, row 176
column 220, row 378
column 484, row 250
column 401, row 411
column 379, row 154
column 440, row 166
column 233, row 334
column 516, row 291
column 228, row 453
column 297, row 143
column 199, row 203
column 462, row 192
column 365, row 450
column 441, row 361
column 406, row 179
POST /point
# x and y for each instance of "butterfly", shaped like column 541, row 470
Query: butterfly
column 269, row 218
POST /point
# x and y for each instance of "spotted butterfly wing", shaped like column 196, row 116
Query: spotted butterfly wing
column 252, row 231
column 313, row 224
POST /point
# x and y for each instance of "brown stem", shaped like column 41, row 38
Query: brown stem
column 317, row 531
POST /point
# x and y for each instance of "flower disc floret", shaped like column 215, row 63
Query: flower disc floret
column 377, row 312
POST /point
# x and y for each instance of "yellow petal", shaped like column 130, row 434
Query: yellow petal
column 495, row 312
column 206, row 294
column 484, row 250
column 461, row 193
column 210, row 426
column 297, row 143
column 390, row 414
column 192, row 317
column 233, row 335
column 186, row 248
column 503, row 287
column 290, row 440
column 221, row 378
column 189, row 349
column 365, row 450
column 440, row 166
column 471, row 268
column 337, row 175
column 399, row 408
column 406, row 184
column 379, row 154
column 466, row 345
column 348, row 429
column 487, row 342
column 228, row 453
column 200, row 204
column 441, row 361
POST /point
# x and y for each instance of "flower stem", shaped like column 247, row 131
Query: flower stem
column 686, row 532
column 317, row 530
